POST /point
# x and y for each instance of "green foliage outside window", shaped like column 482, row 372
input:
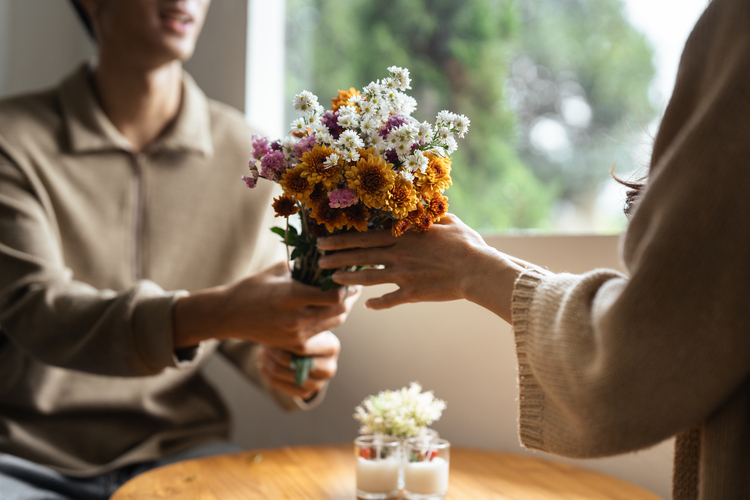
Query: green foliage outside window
column 552, row 88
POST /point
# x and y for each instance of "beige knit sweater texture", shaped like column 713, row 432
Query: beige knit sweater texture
column 608, row 363
column 96, row 244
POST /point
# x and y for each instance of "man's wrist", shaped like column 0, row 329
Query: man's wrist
column 200, row 316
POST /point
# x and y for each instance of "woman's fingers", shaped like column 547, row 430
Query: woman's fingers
column 364, row 277
column 388, row 300
column 358, row 257
column 367, row 239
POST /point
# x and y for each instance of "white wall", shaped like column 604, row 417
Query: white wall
column 462, row 352
column 40, row 41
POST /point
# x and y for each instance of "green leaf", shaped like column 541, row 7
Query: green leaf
column 327, row 283
column 301, row 366
column 279, row 230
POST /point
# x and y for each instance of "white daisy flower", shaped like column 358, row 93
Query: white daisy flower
column 406, row 175
column 451, row 145
column 299, row 125
column 351, row 155
column 287, row 146
column 324, row 138
column 304, row 100
column 350, row 140
column 462, row 125
column 445, row 119
column 405, row 104
column 403, row 149
column 348, row 121
column 444, row 133
column 332, row 161
column 379, row 144
column 401, row 77
column 424, row 133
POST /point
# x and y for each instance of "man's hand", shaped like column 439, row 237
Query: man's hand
column 269, row 308
column 276, row 369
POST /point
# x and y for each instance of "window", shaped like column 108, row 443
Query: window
column 558, row 91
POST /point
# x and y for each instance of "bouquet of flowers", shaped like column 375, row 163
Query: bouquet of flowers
column 404, row 413
column 364, row 164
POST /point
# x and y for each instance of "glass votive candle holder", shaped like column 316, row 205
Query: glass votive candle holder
column 426, row 464
column 378, row 465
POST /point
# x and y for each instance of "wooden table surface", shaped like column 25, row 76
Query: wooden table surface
column 328, row 472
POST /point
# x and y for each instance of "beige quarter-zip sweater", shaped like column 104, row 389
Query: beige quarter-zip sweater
column 610, row 364
column 96, row 243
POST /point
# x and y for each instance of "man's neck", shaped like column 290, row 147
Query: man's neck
column 140, row 103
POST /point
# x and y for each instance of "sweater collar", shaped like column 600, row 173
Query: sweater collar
column 89, row 128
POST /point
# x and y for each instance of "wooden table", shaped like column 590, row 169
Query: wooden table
column 327, row 472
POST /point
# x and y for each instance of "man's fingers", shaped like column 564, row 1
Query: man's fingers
column 314, row 296
column 283, row 378
column 324, row 344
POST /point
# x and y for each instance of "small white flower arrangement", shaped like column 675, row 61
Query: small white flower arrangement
column 404, row 413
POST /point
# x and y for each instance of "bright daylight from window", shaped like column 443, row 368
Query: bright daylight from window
column 558, row 91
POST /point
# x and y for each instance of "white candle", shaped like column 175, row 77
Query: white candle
column 377, row 476
column 427, row 478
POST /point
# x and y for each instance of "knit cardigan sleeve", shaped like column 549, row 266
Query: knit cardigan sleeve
column 609, row 363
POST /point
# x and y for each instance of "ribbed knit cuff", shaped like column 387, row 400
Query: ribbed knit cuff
column 153, row 327
column 531, row 397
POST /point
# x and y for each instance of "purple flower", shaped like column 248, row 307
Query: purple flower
column 331, row 120
column 260, row 146
column 391, row 156
column 394, row 121
column 276, row 146
column 304, row 145
column 342, row 198
column 273, row 165
column 249, row 181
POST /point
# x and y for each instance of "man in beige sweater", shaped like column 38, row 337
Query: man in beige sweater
column 607, row 363
column 130, row 251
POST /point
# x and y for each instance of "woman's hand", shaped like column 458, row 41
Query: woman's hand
column 269, row 308
column 448, row 262
column 275, row 365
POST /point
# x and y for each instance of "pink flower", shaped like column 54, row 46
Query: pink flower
column 249, row 181
column 260, row 146
column 304, row 145
column 272, row 166
column 252, row 180
column 342, row 198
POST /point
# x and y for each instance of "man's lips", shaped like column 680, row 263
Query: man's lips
column 177, row 20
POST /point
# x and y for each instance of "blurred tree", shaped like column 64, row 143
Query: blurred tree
column 537, row 78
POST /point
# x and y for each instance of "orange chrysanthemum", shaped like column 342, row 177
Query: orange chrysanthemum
column 372, row 178
column 437, row 207
column 356, row 217
column 295, row 186
column 319, row 194
column 343, row 98
column 420, row 219
column 402, row 198
column 314, row 169
column 317, row 230
column 399, row 227
column 332, row 218
column 436, row 178
column 284, row 206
